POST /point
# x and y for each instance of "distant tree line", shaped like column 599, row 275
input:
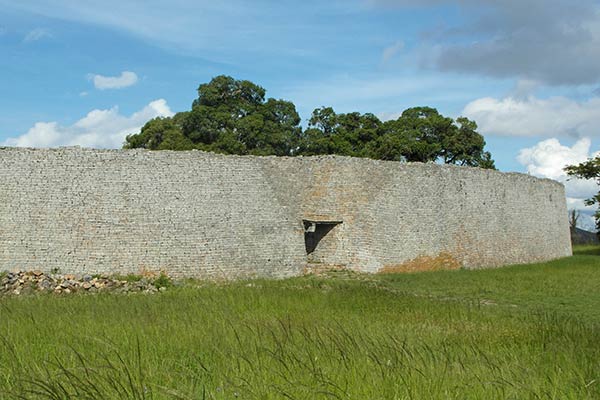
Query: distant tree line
column 233, row 117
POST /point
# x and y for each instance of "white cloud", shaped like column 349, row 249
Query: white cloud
column 531, row 116
column 391, row 51
column 547, row 160
column 127, row 78
column 99, row 128
column 549, row 157
column 37, row 34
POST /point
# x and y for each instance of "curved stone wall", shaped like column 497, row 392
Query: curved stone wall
column 213, row 216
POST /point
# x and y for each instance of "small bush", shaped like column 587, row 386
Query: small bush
column 163, row 281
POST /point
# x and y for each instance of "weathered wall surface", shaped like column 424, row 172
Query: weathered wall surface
column 213, row 216
column 191, row 214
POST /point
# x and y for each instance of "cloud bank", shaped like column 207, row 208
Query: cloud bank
column 555, row 42
column 98, row 129
column 126, row 79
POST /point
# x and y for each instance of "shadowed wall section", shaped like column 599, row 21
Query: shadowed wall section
column 213, row 216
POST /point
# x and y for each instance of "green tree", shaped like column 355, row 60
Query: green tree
column 425, row 128
column 414, row 136
column 233, row 117
column 161, row 134
column 343, row 134
column 320, row 137
column 589, row 169
column 422, row 134
column 229, row 116
column 463, row 145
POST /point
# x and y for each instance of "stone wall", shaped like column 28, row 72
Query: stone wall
column 214, row 216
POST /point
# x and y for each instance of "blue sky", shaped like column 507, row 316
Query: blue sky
column 528, row 71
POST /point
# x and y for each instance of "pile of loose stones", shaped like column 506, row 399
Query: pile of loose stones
column 28, row 282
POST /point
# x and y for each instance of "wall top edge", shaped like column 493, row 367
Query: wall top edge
column 74, row 150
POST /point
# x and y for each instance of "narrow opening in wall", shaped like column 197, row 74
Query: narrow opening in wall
column 314, row 231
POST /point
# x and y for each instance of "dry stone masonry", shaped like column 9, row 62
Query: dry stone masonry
column 196, row 214
column 27, row 282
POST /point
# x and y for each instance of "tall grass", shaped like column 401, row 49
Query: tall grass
column 528, row 332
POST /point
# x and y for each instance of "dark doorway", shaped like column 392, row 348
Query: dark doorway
column 314, row 231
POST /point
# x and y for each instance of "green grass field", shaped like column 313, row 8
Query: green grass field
column 520, row 332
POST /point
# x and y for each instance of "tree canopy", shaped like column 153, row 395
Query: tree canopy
column 233, row 117
column 229, row 116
